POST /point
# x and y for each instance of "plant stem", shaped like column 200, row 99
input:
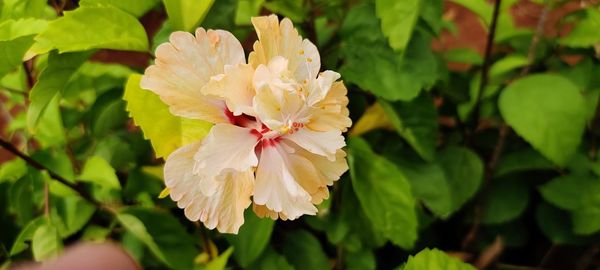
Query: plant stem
column 487, row 59
column 77, row 188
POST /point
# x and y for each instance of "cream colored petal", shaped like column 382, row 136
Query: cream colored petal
column 305, row 173
column 319, row 88
column 226, row 147
column 331, row 113
column 235, row 86
column 324, row 143
column 224, row 209
column 185, row 64
column 277, row 189
column 282, row 39
column 279, row 109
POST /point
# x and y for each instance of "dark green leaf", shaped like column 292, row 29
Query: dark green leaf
column 252, row 238
column 384, row 194
column 303, row 250
column 464, row 172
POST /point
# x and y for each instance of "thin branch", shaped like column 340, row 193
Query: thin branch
column 79, row 189
column 539, row 30
column 487, row 58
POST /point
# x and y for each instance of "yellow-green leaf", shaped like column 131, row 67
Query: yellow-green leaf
column 186, row 14
column 165, row 131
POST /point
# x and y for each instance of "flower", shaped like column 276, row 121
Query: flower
column 277, row 139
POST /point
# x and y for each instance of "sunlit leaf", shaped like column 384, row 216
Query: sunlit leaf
column 137, row 8
column 98, row 171
column 398, row 19
column 186, row 14
column 97, row 27
column 46, row 242
column 585, row 33
column 548, row 111
column 165, row 131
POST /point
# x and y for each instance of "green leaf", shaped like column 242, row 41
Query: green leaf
column 579, row 194
column 384, row 194
column 165, row 131
column 245, row 10
column 50, row 130
column 12, row 170
column 136, row 8
column 23, row 196
column 46, row 242
column 26, row 234
column 53, row 79
column 548, row 111
column 397, row 77
column 252, row 238
column 303, row 250
column 362, row 260
column 585, row 33
column 398, row 18
column 25, row 9
column 464, row 172
column 428, row 184
column 97, row 27
column 416, row 122
column 556, row 225
column 12, row 52
column 98, row 171
column 507, row 64
column 70, row 214
column 463, row 55
column 220, row 262
column 270, row 260
column 136, row 227
column 433, row 259
column 186, row 14
column 431, row 13
column 506, row 200
column 523, row 160
column 172, row 239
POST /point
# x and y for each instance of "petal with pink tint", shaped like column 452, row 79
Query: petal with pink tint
column 226, row 147
column 185, row 64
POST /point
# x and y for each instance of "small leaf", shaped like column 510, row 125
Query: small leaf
column 133, row 225
column 165, row 131
column 186, row 14
column 416, row 122
column 548, row 111
column 303, row 250
column 98, row 171
column 51, row 81
column 246, row 9
column 252, row 238
column 433, row 259
column 26, row 234
column 464, row 172
column 97, row 27
column 270, row 260
column 398, row 18
column 585, row 33
column 506, row 200
column 220, row 262
column 556, row 225
column 46, row 242
column 524, row 160
column 507, row 64
column 164, row 193
column 362, row 260
column 384, row 194
column 70, row 214
column 373, row 118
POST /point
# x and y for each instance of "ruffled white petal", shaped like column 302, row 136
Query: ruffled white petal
column 226, row 147
column 277, row 189
column 235, row 86
column 185, row 64
column 324, row 143
column 224, row 209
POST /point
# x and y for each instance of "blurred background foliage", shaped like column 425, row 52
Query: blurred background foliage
column 475, row 137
